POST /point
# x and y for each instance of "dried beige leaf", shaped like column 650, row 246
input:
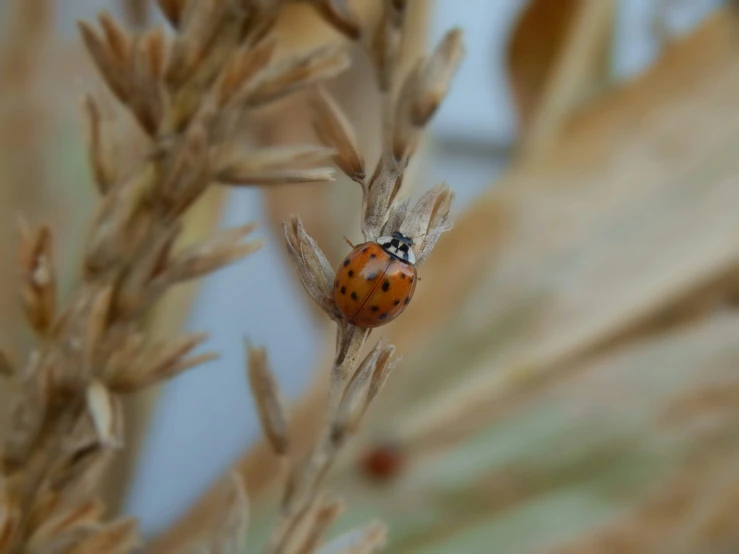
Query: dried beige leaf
column 269, row 400
column 335, row 130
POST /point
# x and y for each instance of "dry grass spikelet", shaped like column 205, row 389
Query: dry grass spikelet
column 185, row 90
column 354, row 384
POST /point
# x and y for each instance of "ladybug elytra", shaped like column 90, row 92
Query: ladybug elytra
column 376, row 281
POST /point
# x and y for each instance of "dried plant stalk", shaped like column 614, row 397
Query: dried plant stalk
column 353, row 386
column 67, row 421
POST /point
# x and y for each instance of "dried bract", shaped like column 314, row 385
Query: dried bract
column 230, row 534
column 428, row 220
column 242, row 68
column 100, row 148
column 297, row 73
column 266, row 166
column 435, row 78
column 355, row 399
column 118, row 537
column 334, row 130
column 386, row 43
column 7, row 368
column 38, row 278
column 313, row 268
column 158, row 363
column 327, row 512
column 360, row 541
column 105, row 412
column 340, row 15
column 212, row 254
column 269, row 400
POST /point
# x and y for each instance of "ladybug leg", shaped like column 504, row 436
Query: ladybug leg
column 349, row 242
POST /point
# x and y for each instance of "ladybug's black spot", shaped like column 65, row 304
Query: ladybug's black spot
column 346, row 262
column 383, row 316
column 407, row 300
column 372, row 276
column 375, row 308
column 396, row 302
column 354, row 296
column 386, row 285
column 402, row 275
column 343, row 290
column 351, row 273
column 373, row 255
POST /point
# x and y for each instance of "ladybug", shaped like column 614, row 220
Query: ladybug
column 376, row 281
column 383, row 462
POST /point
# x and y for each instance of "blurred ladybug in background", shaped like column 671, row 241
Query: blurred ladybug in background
column 382, row 462
column 376, row 281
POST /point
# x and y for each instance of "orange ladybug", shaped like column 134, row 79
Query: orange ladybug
column 383, row 462
column 376, row 281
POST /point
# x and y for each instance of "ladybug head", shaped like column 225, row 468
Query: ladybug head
column 398, row 246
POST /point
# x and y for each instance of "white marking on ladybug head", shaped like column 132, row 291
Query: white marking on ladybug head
column 399, row 246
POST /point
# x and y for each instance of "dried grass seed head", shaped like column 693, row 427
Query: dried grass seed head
column 366, row 381
column 38, row 276
column 295, row 73
column 386, row 43
column 269, row 400
column 427, row 220
column 316, row 274
column 334, row 130
column 234, row 165
column 423, row 90
column 340, row 15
